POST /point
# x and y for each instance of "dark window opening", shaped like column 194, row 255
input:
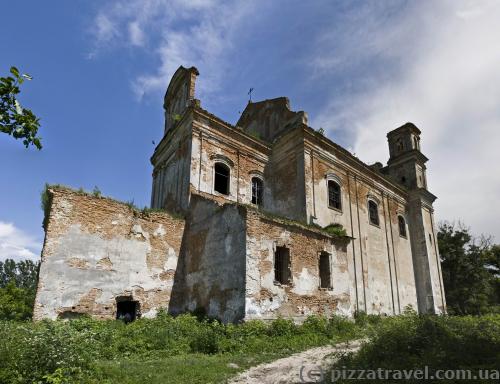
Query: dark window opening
column 403, row 179
column 399, row 145
column 373, row 212
column 402, row 226
column 282, row 273
column 70, row 315
column 324, row 270
column 127, row 310
column 334, row 197
column 257, row 190
column 221, row 182
column 430, row 238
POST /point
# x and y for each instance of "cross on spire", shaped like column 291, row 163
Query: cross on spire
column 250, row 95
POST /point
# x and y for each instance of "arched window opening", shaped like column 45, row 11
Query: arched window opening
column 415, row 142
column 221, row 179
column 257, row 190
column 402, row 226
column 373, row 212
column 334, row 196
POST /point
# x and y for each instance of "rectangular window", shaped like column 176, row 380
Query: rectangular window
column 257, row 189
column 324, row 270
column 282, row 273
column 373, row 213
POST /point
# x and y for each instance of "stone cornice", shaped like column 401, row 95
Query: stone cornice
column 347, row 159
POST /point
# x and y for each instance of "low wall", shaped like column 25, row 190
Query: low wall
column 97, row 250
column 268, row 299
column 211, row 271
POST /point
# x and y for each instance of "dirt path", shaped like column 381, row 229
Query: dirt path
column 302, row 367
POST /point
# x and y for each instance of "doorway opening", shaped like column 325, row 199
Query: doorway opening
column 127, row 309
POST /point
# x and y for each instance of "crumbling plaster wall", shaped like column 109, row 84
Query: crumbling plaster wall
column 97, row 249
column 267, row 299
column 211, row 271
column 434, row 262
column 285, row 177
column 171, row 173
column 212, row 142
column 426, row 258
column 384, row 277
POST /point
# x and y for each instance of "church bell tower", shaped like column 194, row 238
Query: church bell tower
column 406, row 166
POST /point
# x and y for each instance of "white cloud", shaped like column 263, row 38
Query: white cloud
column 16, row 244
column 432, row 63
column 435, row 64
column 199, row 33
column 105, row 28
column 136, row 34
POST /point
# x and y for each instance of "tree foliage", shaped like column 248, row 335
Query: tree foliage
column 15, row 120
column 470, row 270
column 16, row 303
column 412, row 342
column 18, row 282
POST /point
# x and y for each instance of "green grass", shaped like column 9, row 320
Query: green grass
column 438, row 342
column 192, row 368
column 161, row 350
column 188, row 350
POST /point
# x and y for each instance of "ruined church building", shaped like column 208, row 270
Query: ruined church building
column 256, row 220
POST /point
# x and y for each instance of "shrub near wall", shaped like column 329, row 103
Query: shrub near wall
column 60, row 352
column 412, row 341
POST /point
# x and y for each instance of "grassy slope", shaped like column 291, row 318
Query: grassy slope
column 161, row 350
column 185, row 350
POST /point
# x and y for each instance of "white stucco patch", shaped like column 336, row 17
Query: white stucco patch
column 305, row 283
column 64, row 285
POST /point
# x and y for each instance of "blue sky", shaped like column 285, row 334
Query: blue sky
column 359, row 69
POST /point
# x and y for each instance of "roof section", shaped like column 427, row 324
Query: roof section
column 268, row 119
column 407, row 127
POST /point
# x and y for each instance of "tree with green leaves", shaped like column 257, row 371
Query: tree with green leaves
column 15, row 120
column 24, row 273
column 18, row 282
column 493, row 266
column 468, row 277
column 16, row 303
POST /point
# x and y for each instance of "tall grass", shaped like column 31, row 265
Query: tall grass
column 59, row 352
column 438, row 342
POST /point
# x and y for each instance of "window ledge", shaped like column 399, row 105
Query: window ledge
column 335, row 209
column 228, row 197
column 278, row 284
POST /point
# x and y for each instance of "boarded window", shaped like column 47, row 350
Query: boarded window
column 221, row 181
column 324, row 270
column 402, row 226
column 257, row 190
column 373, row 212
column 282, row 272
column 334, row 197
